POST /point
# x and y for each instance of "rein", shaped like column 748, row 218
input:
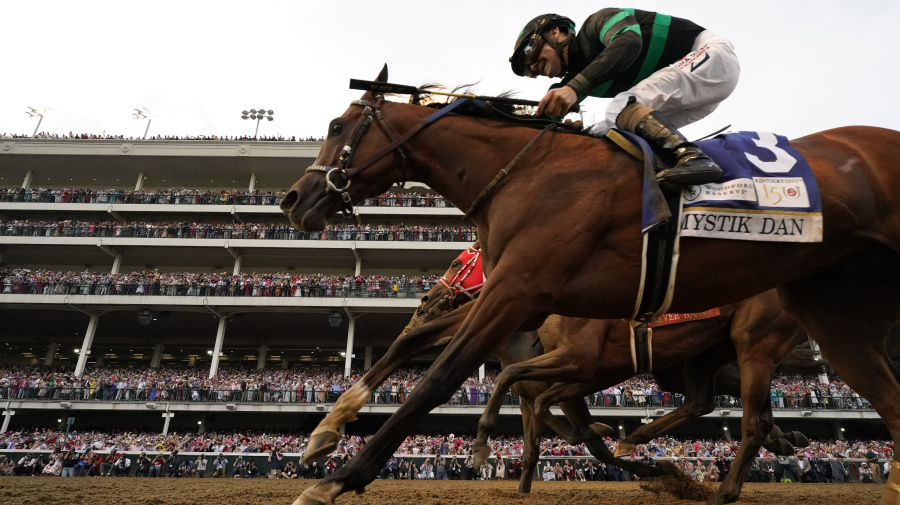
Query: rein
column 372, row 110
column 505, row 171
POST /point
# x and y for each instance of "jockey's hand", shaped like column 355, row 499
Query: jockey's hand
column 557, row 102
column 573, row 125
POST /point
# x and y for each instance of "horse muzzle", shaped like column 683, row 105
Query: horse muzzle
column 308, row 208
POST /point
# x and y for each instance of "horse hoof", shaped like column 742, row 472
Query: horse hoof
column 480, row 455
column 313, row 496
column 668, row 468
column 779, row 447
column 775, row 432
column 320, row 445
column 796, row 439
column 721, row 499
column 715, row 500
column 601, row 429
column 624, row 449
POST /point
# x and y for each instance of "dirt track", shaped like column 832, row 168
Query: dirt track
column 164, row 491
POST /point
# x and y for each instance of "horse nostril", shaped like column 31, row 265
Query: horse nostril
column 289, row 200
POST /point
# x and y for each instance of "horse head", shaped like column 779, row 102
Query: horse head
column 459, row 285
column 325, row 188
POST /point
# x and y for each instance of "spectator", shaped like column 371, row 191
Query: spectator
column 547, row 473
column 200, row 466
column 69, row 460
column 156, row 469
column 54, row 467
column 499, row 468
column 290, row 472
column 840, row 470
column 275, row 460
column 239, row 468
column 144, row 464
column 426, row 471
column 252, row 472
column 872, row 461
column 220, row 466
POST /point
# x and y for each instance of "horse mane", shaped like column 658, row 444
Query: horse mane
column 508, row 113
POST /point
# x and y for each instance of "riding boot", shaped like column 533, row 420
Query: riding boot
column 691, row 165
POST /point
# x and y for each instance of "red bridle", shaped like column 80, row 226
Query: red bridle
column 469, row 279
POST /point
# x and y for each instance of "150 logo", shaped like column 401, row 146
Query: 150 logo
column 781, row 192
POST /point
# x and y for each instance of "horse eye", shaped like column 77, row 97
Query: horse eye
column 337, row 129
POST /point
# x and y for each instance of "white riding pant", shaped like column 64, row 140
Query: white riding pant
column 687, row 90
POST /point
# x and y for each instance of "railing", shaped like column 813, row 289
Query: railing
column 197, row 198
column 249, row 231
column 234, row 289
column 381, row 397
column 411, row 467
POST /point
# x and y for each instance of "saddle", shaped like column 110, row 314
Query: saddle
column 660, row 218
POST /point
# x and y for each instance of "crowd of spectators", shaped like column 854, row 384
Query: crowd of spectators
column 234, row 383
column 253, row 231
column 791, row 391
column 433, row 456
column 153, row 283
column 186, row 196
column 106, row 136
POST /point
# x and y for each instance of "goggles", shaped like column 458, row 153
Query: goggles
column 530, row 54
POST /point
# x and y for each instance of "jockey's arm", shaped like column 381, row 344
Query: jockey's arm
column 618, row 35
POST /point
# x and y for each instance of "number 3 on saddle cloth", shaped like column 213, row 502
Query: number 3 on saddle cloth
column 767, row 193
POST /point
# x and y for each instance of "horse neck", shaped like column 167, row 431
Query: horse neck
column 458, row 155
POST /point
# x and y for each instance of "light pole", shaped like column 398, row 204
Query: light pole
column 258, row 116
column 143, row 114
column 32, row 112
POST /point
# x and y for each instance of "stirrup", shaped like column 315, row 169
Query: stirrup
column 698, row 169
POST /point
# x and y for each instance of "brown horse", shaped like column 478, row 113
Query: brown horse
column 758, row 325
column 433, row 325
column 561, row 235
column 586, row 355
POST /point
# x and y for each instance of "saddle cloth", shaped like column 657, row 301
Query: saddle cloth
column 767, row 193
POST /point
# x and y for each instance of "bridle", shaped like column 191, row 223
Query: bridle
column 371, row 110
column 468, row 280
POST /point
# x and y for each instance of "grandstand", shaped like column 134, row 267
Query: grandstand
column 233, row 184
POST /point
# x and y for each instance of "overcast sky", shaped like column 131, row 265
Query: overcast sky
column 805, row 65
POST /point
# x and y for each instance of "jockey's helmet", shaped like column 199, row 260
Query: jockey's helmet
column 531, row 40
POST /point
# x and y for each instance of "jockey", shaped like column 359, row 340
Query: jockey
column 650, row 64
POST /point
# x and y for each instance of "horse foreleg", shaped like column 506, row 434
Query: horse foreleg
column 757, row 422
column 532, row 442
column 762, row 338
column 579, row 415
column 553, row 366
column 699, row 400
column 415, row 342
column 492, row 319
column 562, row 392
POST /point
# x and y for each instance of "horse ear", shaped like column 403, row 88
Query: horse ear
column 382, row 77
